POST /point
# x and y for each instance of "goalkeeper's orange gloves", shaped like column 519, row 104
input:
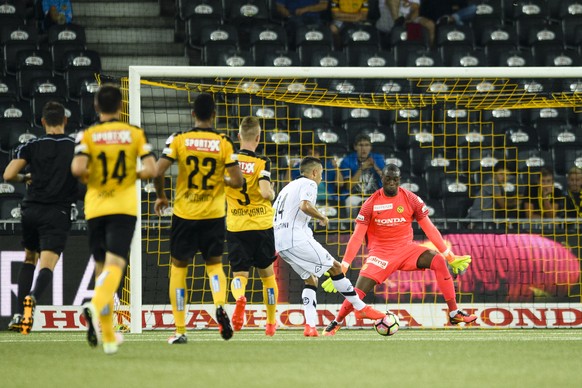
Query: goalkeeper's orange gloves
column 458, row 264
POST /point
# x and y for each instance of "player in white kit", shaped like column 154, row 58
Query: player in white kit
column 294, row 208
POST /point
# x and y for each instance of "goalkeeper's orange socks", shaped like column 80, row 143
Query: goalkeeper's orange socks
column 217, row 283
column 444, row 280
column 238, row 286
column 270, row 297
column 178, row 296
column 105, row 286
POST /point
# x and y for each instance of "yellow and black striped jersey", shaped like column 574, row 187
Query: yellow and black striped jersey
column 113, row 148
column 247, row 209
column 203, row 156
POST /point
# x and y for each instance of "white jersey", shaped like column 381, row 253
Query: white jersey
column 290, row 223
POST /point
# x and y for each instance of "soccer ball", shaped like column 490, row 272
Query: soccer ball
column 388, row 325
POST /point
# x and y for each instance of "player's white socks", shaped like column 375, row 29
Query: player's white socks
column 309, row 305
column 345, row 287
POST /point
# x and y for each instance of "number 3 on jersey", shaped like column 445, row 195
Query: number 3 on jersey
column 119, row 170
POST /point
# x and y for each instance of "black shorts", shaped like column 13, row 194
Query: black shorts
column 112, row 233
column 190, row 236
column 253, row 248
column 45, row 227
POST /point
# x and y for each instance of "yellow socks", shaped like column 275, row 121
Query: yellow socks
column 106, row 285
column 270, row 296
column 106, row 319
column 217, row 283
column 178, row 297
column 238, row 286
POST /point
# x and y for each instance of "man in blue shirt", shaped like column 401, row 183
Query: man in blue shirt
column 300, row 13
column 56, row 12
column 362, row 170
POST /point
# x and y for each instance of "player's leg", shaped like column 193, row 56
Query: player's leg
column 264, row 259
column 270, row 297
column 239, row 259
column 310, row 306
column 212, row 246
column 437, row 263
column 183, row 247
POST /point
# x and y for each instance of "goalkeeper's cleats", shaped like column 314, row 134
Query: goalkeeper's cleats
column 177, row 339
column 310, row 331
column 238, row 317
column 369, row 312
column 92, row 322
column 270, row 329
column 28, row 316
column 15, row 323
column 331, row 329
column 462, row 317
column 223, row 323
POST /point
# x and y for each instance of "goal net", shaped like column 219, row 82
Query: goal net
column 494, row 152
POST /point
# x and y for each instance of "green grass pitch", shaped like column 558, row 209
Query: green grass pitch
column 353, row 358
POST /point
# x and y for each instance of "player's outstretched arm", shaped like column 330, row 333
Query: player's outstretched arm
column 458, row 264
column 308, row 208
column 149, row 168
column 161, row 201
column 235, row 178
column 354, row 245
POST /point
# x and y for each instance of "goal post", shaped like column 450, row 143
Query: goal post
column 451, row 107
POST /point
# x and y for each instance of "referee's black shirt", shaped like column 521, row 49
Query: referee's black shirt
column 49, row 159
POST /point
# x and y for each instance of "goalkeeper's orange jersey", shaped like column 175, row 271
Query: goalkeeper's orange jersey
column 203, row 156
column 113, row 148
column 389, row 220
column 247, row 209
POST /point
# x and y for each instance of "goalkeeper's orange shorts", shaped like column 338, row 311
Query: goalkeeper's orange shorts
column 401, row 259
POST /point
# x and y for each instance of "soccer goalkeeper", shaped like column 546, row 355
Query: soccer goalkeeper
column 385, row 220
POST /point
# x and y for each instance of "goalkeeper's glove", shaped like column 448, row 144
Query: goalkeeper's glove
column 328, row 285
column 458, row 264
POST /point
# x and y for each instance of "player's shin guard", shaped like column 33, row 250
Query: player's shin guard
column 270, row 297
column 309, row 305
column 345, row 287
column 179, row 296
column 106, row 319
column 217, row 283
column 444, row 280
column 106, row 285
column 238, row 286
column 347, row 307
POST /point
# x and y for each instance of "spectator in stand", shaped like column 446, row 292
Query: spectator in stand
column 573, row 197
column 409, row 13
column 385, row 11
column 459, row 12
column 301, row 13
column 345, row 14
column 56, row 12
column 362, row 171
column 330, row 190
column 544, row 200
column 497, row 199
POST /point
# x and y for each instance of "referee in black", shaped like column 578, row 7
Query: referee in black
column 46, row 208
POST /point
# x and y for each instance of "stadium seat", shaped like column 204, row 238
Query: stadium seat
column 11, row 32
column 312, row 117
column 10, row 53
column 314, row 35
column 568, row 8
column 230, row 57
column 497, row 34
column 14, row 132
column 13, row 109
column 60, row 50
column 417, row 58
column 511, row 58
column 566, row 156
column 266, row 38
column 399, row 158
column 360, row 34
column 32, row 64
column 369, row 57
column 413, row 183
column 462, row 56
column 436, row 211
column 199, row 9
column 556, row 56
column 79, row 66
column 524, row 9
column 528, row 29
column 66, row 32
column 280, row 58
column 572, row 29
column 451, row 34
column 244, row 15
column 455, row 193
column 73, row 114
column 529, row 159
column 10, row 206
column 400, row 38
column 216, row 39
column 543, row 35
column 196, row 23
column 12, row 13
column 8, row 87
column 388, row 86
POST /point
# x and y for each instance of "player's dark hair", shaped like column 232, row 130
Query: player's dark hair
column 391, row 167
column 53, row 113
column 308, row 163
column 204, row 107
column 108, row 99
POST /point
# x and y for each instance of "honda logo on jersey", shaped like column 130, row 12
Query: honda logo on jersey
column 390, row 221
column 207, row 145
column 247, row 168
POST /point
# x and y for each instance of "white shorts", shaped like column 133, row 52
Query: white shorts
column 309, row 258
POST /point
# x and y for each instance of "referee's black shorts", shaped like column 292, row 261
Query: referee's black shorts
column 45, row 227
column 190, row 236
column 252, row 248
column 112, row 233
